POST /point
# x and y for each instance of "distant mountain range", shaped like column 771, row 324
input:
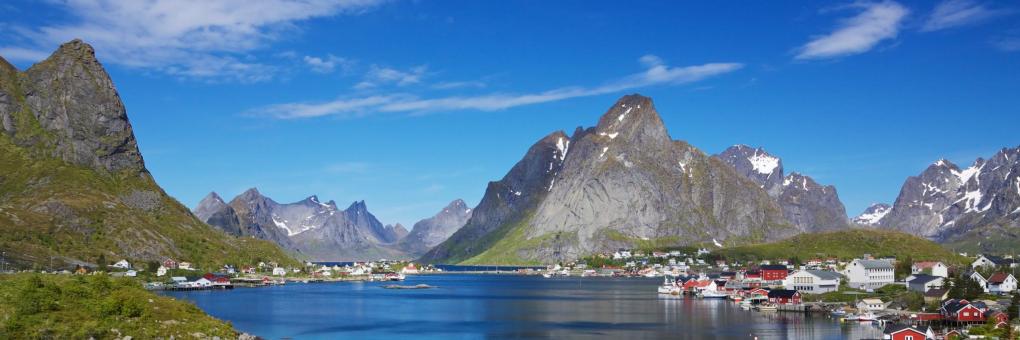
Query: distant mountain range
column 322, row 232
column 977, row 208
column 74, row 189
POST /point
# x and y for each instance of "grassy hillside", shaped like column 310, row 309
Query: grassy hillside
column 37, row 306
column 845, row 244
column 60, row 214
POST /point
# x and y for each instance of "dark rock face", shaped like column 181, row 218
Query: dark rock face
column 873, row 215
column 949, row 204
column 806, row 204
column 614, row 185
column 432, row 231
column 80, row 116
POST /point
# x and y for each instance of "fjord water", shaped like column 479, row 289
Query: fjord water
column 485, row 306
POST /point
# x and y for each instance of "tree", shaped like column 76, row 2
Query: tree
column 903, row 268
column 1014, row 307
column 101, row 261
column 963, row 287
column 152, row 266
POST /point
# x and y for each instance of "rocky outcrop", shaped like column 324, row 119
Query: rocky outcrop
column 806, row 204
column 949, row 204
column 76, row 113
column 620, row 183
column 432, row 231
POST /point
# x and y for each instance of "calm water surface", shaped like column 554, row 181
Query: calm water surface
column 486, row 306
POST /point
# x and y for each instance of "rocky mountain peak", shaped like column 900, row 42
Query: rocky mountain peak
column 756, row 164
column 208, row 206
column 357, row 206
column 873, row 215
column 249, row 195
column 456, row 206
column 632, row 119
column 74, row 102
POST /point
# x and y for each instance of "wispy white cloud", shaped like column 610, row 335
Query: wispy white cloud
column 954, row 13
column 188, row 38
column 19, row 53
column 1008, row 44
column 656, row 73
column 450, row 85
column 876, row 21
column 378, row 75
column 327, row 64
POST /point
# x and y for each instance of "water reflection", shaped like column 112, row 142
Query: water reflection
column 469, row 306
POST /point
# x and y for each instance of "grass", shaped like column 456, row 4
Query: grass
column 845, row 244
column 34, row 306
column 505, row 250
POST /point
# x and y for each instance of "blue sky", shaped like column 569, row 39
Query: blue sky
column 411, row 104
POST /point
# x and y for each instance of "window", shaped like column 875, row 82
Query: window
column 909, row 337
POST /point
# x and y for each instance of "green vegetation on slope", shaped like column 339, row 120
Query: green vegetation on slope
column 53, row 214
column 34, row 306
column 845, row 244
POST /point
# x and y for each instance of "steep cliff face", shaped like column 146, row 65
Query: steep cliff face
column 806, row 204
column 975, row 208
column 873, row 215
column 73, row 185
column 620, row 183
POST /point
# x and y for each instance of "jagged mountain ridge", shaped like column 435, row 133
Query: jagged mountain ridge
column 622, row 182
column 976, row 207
column 808, row 205
column 319, row 231
column 73, row 184
column 873, row 215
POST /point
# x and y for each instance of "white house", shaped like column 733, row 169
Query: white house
column 813, row 281
column 279, row 271
column 179, row 280
column 980, row 280
column 184, row 265
column 1001, row 283
column 122, row 264
column 131, row 273
column 924, row 282
column 933, row 268
column 989, row 261
column 203, row 282
column 870, row 305
column 161, row 271
column 869, row 274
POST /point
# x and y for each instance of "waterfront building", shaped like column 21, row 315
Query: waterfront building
column 869, row 274
column 813, row 281
column 923, row 282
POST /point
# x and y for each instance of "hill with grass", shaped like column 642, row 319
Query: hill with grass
column 844, row 244
column 74, row 189
column 39, row 306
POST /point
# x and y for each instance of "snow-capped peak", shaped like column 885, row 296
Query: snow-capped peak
column 763, row 163
column 873, row 215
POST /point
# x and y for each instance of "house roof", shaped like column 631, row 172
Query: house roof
column 925, row 264
column 997, row 278
column 872, row 301
column 773, row 267
column 921, row 279
column 782, row 293
column 896, row 328
column 954, row 306
column 936, row 292
column 825, row 274
column 875, row 264
column 998, row 260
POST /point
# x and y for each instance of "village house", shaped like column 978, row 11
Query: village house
column 122, row 264
column 991, row 261
column 184, row 265
column 784, row 297
column 869, row 274
column 980, row 280
column 170, row 264
column 871, row 305
column 933, row 268
column 1000, row 283
column 279, row 271
column 131, row 273
column 813, row 281
column 161, row 271
column 907, row 332
column 936, row 295
column 1001, row 318
column 962, row 311
column 773, row 272
column 409, row 269
column 924, row 282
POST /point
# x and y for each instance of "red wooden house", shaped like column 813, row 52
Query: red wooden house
column 962, row 311
column 773, row 272
column 784, row 297
column 905, row 332
column 170, row 264
column 1001, row 319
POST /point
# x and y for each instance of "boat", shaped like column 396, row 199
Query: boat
column 768, row 307
column 669, row 286
column 745, row 305
column 866, row 317
column 712, row 294
column 838, row 313
column 394, row 277
column 547, row 275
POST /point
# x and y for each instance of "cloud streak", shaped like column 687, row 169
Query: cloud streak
column 656, row 73
column 954, row 13
column 187, row 38
column 876, row 22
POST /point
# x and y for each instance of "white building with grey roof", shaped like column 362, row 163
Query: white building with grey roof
column 813, row 281
column 869, row 274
